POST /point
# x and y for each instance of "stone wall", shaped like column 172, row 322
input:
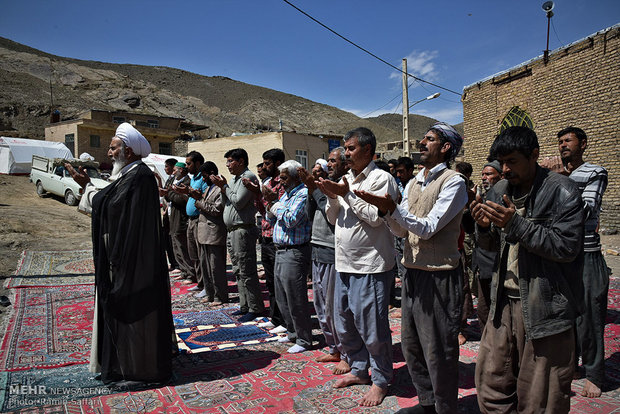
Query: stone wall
column 578, row 86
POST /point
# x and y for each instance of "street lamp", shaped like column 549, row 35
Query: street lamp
column 406, row 149
column 428, row 98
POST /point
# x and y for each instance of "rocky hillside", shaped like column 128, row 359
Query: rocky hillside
column 222, row 104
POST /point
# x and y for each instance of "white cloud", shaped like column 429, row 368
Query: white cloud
column 421, row 65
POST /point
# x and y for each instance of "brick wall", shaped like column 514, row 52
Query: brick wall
column 579, row 86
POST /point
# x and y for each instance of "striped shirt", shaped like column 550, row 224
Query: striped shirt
column 290, row 218
column 592, row 182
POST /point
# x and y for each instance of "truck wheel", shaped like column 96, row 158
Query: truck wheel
column 40, row 190
column 70, row 198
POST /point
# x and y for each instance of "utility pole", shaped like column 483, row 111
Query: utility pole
column 405, row 111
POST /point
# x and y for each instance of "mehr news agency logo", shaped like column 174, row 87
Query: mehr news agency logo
column 28, row 394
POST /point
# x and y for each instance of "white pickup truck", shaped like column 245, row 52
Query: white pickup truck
column 50, row 176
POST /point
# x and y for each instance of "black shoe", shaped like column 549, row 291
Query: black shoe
column 239, row 312
column 4, row 301
column 248, row 317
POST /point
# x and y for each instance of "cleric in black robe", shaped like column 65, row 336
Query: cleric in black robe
column 133, row 337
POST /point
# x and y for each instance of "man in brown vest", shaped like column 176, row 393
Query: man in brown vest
column 429, row 215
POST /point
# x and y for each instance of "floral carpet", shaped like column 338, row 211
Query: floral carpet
column 54, row 268
column 49, row 328
column 249, row 378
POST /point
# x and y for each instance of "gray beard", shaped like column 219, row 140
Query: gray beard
column 117, row 166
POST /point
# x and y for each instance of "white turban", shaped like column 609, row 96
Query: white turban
column 133, row 139
column 322, row 163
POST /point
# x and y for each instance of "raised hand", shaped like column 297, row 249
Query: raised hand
column 307, row 179
column 554, row 164
column 250, row 185
column 335, row 189
column 218, row 180
column 478, row 213
column 385, row 204
column 498, row 214
column 181, row 188
column 79, row 177
column 269, row 194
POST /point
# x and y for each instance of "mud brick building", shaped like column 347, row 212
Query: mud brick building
column 577, row 85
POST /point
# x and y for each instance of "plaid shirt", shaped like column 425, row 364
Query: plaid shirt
column 273, row 184
column 291, row 226
column 592, row 182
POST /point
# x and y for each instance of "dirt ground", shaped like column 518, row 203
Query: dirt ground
column 28, row 222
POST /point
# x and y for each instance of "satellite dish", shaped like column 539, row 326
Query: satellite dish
column 547, row 6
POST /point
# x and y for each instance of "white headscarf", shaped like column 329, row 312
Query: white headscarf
column 133, row 139
column 322, row 163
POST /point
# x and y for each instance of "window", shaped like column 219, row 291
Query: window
column 165, row 148
column 70, row 143
column 95, row 141
column 301, row 156
column 516, row 117
column 152, row 123
column 118, row 119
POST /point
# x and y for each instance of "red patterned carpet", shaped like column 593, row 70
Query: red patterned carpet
column 49, row 337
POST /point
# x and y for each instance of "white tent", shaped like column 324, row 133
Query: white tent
column 157, row 162
column 16, row 153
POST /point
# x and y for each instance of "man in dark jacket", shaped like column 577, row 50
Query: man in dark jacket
column 133, row 337
column 535, row 217
column 484, row 261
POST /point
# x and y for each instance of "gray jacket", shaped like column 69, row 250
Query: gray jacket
column 550, row 237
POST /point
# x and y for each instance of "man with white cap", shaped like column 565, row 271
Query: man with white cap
column 320, row 169
column 429, row 216
column 132, row 339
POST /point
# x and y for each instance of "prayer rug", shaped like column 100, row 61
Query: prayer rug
column 216, row 337
column 211, row 317
column 54, row 268
column 265, row 378
column 58, row 385
column 49, row 327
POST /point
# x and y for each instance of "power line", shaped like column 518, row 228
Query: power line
column 367, row 51
column 387, row 103
column 556, row 33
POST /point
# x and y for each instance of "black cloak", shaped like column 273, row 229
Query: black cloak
column 134, row 316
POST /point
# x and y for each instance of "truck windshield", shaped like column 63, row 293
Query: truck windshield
column 92, row 173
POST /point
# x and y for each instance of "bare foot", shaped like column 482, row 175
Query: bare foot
column 374, row 396
column 329, row 358
column 342, row 368
column 462, row 339
column 350, row 380
column 590, row 390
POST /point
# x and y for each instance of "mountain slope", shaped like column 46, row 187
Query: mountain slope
column 222, row 104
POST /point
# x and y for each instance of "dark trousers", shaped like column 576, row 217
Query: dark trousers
column 484, row 300
column 591, row 325
column 193, row 251
column 268, row 258
column 515, row 375
column 169, row 250
column 468, row 303
column 213, row 269
column 291, row 284
column 432, row 303
column 242, row 249
column 179, row 245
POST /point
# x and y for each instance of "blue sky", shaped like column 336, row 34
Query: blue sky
column 270, row 44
